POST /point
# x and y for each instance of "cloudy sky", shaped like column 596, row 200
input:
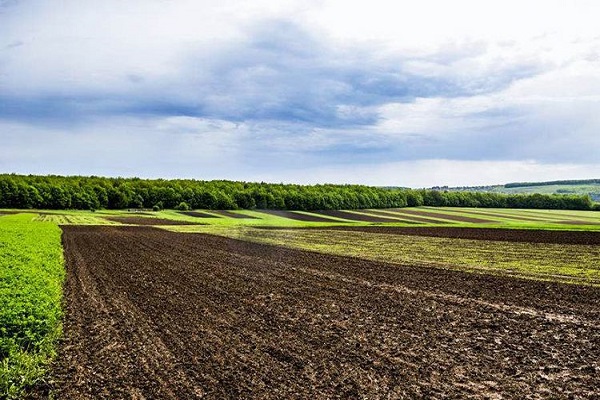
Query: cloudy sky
column 377, row 92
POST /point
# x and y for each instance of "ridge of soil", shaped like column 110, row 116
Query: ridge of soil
column 156, row 314
column 297, row 216
column 198, row 214
column 355, row 217
column 498, row 234
column 500, row 215
column 457, row 218
column 229, row 214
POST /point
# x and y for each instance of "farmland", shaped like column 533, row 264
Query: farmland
column 153, row 314
column 31, row 276
column 400, row 302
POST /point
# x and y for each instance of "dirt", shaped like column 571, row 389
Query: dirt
column 504, row 235
column 449, row 217
column 198, row 214
column 297, row 216
column 355, row 217
column 229, row 214
column 149, row 221
column 152, row 314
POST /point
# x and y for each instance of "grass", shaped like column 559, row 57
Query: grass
column 31, row 276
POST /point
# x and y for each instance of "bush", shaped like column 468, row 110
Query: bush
column 183, row 206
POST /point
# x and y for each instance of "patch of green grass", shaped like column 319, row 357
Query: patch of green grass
column 31, row 277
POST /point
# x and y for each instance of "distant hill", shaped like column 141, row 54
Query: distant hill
column 590, row 187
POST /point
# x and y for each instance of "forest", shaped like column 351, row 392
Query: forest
column 92, row 193
column 552, row 183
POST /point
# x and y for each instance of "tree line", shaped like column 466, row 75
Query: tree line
column 552, row 183
column 92, row 193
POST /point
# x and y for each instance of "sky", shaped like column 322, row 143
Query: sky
column 416, row 94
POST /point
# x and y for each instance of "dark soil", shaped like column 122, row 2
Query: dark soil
column 152, row 314
column 505, row 235
column 297, row 216
column 230, row 214
column 149, row 221
column 449, row 217
column 198, row 214
column 355, row 217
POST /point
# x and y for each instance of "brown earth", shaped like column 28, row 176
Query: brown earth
column 504, row 235
column 355, row 217
column 198, row 214
column 230, row 214
column 297, row 216
column 149, row 221
column 457, row 218
column 152, row 314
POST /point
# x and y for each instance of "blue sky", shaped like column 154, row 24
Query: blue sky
column 378, row 92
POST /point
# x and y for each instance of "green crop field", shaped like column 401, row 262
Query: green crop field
column 31, row 276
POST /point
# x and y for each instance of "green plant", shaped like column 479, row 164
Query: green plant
column 31, row 276
column 183, row 206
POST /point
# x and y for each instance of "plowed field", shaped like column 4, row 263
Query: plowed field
column 153, row 314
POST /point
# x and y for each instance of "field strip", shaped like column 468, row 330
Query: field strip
column 236, row 319
column 460, row 300
column 544, row 215
column 510, row 254
column 354, row 216
column 500, row 216
column 561, row 214
column 298, row 216
column 442, row 215
column 398, row 218
column 436, row 216
column 66, row 219
column 397, row 213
